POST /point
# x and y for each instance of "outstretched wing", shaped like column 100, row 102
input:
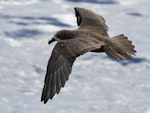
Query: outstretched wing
column 61, row 61
column 87, row 19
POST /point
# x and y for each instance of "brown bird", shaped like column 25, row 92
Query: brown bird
column 91, row 36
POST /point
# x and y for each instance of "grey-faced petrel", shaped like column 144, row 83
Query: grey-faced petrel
column 91, row 36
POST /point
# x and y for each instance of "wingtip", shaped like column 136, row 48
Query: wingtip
column 44, row 101
column 77, row 8
column 41, row 99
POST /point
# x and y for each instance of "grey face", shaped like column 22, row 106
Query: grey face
column 62, row 35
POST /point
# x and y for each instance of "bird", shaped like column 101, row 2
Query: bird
column 90, row 36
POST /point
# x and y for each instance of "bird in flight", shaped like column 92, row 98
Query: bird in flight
column 91, row 36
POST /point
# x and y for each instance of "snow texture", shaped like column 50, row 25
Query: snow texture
column 97, row 84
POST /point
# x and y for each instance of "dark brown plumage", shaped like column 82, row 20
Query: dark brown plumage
column 91, row 36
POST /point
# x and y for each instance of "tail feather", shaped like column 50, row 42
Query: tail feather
column 119, row 47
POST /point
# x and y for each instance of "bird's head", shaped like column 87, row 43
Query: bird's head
column 62, row 35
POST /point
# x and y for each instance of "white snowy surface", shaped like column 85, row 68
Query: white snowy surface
column 97, row 84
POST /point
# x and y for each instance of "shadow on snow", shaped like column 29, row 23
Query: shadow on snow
column 33, row 20
column 28, row 21
column 136, row 14
column 23, row 33
column 96, row 1
column 133, row 61
column 38, row 69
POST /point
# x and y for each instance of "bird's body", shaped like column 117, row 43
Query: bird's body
column 91, row 36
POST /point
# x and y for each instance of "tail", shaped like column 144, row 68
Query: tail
column 119, row 47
